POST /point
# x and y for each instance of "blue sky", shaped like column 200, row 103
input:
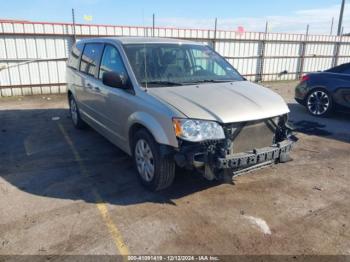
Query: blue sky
column 284, row 16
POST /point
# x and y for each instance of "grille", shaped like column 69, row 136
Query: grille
column 251, row 135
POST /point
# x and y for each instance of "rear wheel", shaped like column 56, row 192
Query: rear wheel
column 74, row 113
column 156, row 172
column 319, row 102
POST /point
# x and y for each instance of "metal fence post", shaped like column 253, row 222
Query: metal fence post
column 335, row 54
column 302, row 55
column 336, row 51
column 301, row 61
column 261, row 57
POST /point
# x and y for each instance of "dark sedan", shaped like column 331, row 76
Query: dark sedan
column 324, row 92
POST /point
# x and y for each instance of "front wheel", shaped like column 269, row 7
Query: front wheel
column 319, row 103
column 155, row 172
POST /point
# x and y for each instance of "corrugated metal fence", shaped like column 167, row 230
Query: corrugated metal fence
column 33, row 54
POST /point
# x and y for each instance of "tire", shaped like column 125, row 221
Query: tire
column 146, row 153
column 319, row 102
column 74, row 113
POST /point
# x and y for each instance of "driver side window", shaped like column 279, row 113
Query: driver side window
column 111, row 61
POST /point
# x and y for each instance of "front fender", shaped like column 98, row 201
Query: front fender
column 162, row 129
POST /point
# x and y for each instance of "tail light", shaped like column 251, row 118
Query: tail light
column 304, row 78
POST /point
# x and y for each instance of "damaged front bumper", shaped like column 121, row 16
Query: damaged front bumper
column 211, row 158
column 278, row 152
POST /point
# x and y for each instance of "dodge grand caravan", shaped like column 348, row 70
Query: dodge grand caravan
column 168, row 102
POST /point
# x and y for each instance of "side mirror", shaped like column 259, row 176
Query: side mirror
column 114, row 79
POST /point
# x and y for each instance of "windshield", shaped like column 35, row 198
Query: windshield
column 178, row 64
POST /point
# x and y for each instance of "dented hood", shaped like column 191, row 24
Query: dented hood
column 223, row 102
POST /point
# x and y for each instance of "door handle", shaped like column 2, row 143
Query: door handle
column 88, row 85
column 96, row 89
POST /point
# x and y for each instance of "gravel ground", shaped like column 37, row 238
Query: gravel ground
column 64, row 191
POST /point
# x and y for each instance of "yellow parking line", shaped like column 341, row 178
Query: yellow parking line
column 101, row 206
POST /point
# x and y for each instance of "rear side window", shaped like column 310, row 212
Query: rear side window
column 111, row 61
column 90, row 58
column 341, row 69
column 73, row 60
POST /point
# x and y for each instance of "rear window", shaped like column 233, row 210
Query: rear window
column 341, row 69
column 73, row 60
column 90, row 58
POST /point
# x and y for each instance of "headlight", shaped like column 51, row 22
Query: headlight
column 197, row 130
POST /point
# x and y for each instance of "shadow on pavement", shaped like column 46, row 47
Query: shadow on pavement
column 35, row 157
column 336, row 126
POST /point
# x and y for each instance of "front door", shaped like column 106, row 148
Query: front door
column 118, row 103
column 90, row 97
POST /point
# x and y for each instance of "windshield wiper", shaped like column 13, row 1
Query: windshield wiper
column 156, row 82
column 211, row 81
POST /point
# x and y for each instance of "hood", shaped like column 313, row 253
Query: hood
column 223, row 102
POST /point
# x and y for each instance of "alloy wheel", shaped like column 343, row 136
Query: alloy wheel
column 144, row 160
column 74, row 111
column 318, row 102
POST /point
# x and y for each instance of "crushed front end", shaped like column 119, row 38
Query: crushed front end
column 247, row 145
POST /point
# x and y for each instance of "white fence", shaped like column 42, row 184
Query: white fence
column 33, row 54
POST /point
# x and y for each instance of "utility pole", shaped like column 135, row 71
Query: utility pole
column 331, row 33
column 153, row 24
column 266, row 27
column 215, row 29
column 340, row 24
column 73, row 28
column 307, row 30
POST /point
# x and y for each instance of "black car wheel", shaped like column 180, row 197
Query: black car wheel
column 319, row 102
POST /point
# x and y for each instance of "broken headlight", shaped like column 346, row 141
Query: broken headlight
column 197, row 130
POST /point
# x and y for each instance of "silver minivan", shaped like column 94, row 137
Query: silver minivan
column 169, row 102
